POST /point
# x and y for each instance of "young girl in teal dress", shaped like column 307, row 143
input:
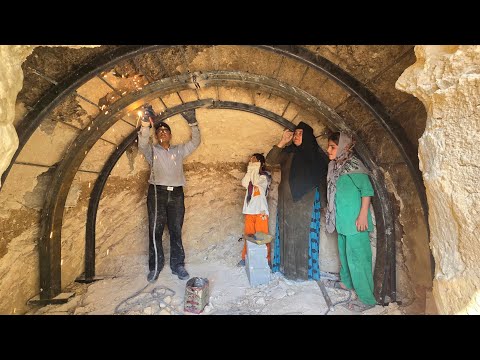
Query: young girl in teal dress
column 348, row 194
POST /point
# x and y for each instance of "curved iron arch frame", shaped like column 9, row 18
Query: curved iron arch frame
column 108, row 60
column 56, row 196
column 384, row 207
column 59, row 92
column 96, row 194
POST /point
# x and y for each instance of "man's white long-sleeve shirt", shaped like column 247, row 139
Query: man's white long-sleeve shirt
column 167, row 164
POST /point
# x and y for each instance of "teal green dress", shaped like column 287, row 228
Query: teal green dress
column 348, row 201
column 354, row 246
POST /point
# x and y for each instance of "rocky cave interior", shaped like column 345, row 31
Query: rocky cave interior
column 74, row 108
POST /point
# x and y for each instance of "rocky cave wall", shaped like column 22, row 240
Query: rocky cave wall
column 447, row 80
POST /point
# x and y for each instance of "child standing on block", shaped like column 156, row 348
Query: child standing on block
column 255, row 206
column 348, row 193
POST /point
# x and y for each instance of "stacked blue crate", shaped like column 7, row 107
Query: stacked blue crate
column 256, row 264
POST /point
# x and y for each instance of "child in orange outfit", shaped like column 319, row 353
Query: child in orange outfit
column 255, row 206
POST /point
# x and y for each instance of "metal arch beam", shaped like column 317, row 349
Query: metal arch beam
column 383, row 267
column 96, row 194
column 305, row 56
column 108, row 60
column 370, row 102
column 55, row 199
column 77, row 78
column 407, row 150
column 53, row 208
column 105, row 61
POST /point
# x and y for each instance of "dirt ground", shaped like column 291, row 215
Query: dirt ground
column 129, row 293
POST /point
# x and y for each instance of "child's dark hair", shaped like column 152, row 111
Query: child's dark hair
column 335, row 137
column 260, row 158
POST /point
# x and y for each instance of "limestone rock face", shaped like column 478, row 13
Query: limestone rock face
column 447, row 80
column 11, row 80
column 22, row 198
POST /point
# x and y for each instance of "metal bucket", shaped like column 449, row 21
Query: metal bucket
column 196, row 295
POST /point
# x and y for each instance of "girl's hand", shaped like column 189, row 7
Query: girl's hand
column 362, row 222
column 253, row 166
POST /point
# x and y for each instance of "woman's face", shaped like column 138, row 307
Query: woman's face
column 297, row 137
column 332, row 150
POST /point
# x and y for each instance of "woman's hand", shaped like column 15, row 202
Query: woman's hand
column 286, row 138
